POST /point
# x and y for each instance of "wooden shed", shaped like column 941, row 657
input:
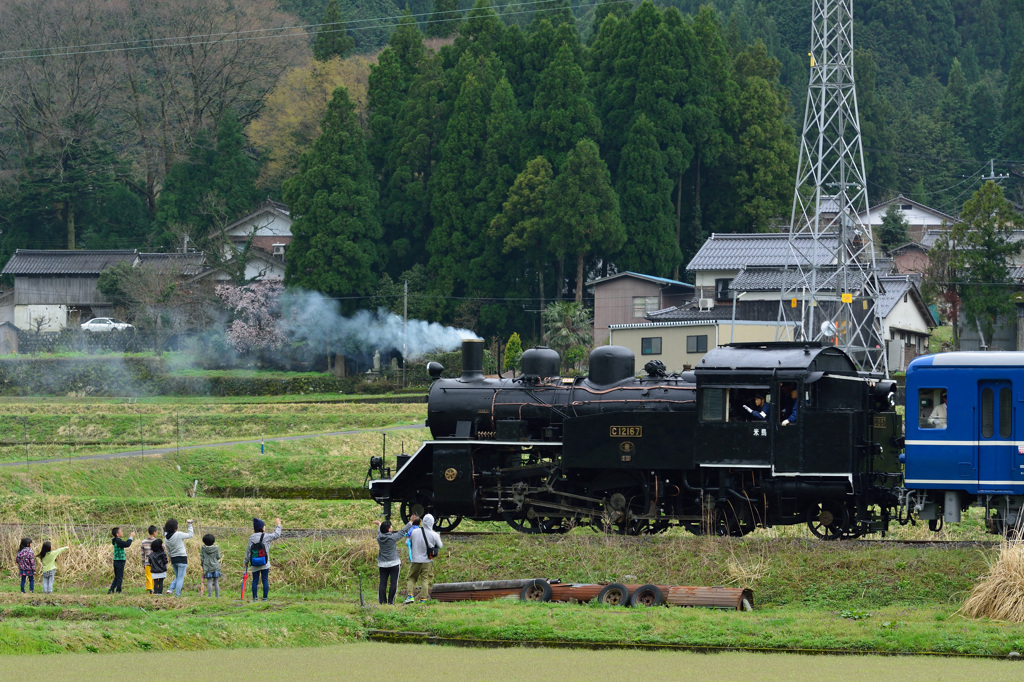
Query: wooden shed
column 57, row 289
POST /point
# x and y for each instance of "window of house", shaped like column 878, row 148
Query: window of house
column 644, row 304
column 697, row 344
column 723, row 292
column 650, row 346
column 906, row 207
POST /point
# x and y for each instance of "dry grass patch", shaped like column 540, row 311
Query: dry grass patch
column 1000, row 595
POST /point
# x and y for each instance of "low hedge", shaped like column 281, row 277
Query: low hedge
column 117, row 375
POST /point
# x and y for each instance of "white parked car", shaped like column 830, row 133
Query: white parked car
column 105, row 324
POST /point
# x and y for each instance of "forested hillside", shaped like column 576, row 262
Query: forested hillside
column 495, row 158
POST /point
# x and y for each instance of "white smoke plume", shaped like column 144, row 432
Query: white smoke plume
column 311, row 317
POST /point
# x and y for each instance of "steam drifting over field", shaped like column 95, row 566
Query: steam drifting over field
column 309, row 316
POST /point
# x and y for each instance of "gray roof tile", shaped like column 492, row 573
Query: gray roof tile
column 732, row 251
column 56, row 263
column 176, row 263
column 775, row 279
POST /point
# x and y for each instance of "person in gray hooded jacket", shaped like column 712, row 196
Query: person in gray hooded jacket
column 422, row 569
column 388, row 563
column 260, row 567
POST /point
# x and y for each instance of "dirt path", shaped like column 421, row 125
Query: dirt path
column 164, row 451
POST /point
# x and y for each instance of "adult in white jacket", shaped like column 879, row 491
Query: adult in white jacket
column 421, row 571
column 176, row 552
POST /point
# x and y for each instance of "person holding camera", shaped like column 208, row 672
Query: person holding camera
column 175, row 543
column 424, row 543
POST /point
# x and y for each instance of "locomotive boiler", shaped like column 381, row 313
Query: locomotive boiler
column 756, row 435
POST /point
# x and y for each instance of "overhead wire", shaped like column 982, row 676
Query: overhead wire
column 296, row 31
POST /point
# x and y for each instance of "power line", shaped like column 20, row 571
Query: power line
column 294, row 31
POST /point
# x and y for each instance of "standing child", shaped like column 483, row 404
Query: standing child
column 209, row 556
column 157, row 564
column 26, row 565
column 119, row 559
column 48, row 559
column 257, row 556
column 147, row 546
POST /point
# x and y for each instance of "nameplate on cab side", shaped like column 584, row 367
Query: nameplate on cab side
column 626, row 431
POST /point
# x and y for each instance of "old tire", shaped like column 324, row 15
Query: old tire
column 647, row 595
column 535, row 590
column 614, row 594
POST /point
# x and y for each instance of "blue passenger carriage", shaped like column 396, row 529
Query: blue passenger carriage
column 965, row 437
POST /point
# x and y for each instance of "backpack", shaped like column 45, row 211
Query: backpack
column 258, row 553
column 431, row 551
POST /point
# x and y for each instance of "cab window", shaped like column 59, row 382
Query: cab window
column 745, row 404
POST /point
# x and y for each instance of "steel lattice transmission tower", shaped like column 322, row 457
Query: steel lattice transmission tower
column 829, row 293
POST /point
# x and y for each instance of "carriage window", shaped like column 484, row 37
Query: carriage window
column 716, row 405
column 988, row 416
column 931, row 408
column 1005, row 417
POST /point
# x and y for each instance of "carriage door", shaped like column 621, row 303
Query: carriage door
column 996, row 446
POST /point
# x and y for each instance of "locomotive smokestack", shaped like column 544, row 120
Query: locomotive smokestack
column 472, row 359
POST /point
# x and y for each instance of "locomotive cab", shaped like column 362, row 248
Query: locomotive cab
column 812, row 456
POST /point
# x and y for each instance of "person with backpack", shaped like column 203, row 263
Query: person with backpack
column 175, row 544
column 257, row 558
column 424, row 543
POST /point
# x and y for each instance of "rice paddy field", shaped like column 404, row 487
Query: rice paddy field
column 960, row 599
column 368, row 660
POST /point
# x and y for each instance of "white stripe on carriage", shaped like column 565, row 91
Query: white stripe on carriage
column 968, row 443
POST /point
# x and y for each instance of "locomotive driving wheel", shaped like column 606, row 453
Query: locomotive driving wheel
column 446, row 524
column 421, row 505
column 530, row 522
column 828, row 520
column 417, row 506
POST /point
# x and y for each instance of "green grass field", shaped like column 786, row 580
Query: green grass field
column 854, row 596
column 366, row 661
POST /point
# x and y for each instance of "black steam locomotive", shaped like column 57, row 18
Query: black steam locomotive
column 756, row 435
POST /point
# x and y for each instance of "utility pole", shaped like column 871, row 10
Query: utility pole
column 832, row 285
column 405, row 327
column 992, row 172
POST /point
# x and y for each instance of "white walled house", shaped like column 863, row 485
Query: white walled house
column 907, row 322
column 920, row 218
column 270, row 229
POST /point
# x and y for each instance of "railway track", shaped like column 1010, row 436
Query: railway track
column 97, row 529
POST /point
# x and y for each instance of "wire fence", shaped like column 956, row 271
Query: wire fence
column 144, row 428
